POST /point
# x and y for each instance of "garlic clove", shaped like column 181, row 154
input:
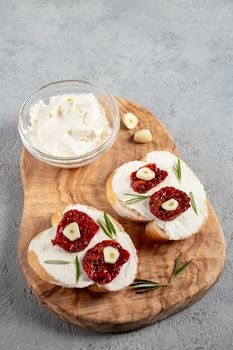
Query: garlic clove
column 169, row 205
column 143, row 136
column 72, row 231
column 145, row 174
column 110, row 255
column 130, row 120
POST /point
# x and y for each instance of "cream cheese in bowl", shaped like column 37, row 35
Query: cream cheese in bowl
column 69, row 125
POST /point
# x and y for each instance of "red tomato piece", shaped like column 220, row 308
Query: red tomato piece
column 163, row 195
column 97, row 269
column 87, row 226
column 143, row 186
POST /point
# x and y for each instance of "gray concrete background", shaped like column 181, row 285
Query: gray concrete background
column 175, row 58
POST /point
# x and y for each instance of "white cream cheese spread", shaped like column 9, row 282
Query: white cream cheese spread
column 64, row 275
column 69, row 125
column 186, row 223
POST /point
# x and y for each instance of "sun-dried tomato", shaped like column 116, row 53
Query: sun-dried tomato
column 87, row 226
column 97, row 269
column 143, row 186
column 163, row 195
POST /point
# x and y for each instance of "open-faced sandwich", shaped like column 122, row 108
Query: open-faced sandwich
column 161, row 190
column 84, row 248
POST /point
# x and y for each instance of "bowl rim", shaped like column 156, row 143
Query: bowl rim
column 96, row 151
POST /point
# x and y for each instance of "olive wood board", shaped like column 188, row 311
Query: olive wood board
column 47, row 189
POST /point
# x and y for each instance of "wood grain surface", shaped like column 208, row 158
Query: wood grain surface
column 47, row 189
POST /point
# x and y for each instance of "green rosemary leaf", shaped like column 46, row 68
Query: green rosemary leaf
column 136, row 195
column 175, row 266
column 132, row 195
column 181, row 268
column 177, row 169
column 177, row 261
column 77, row 268
column 138, row 280
column 145, row 290
column 109, row 224
column 135, row 198
column 193, row 202
column 143, row 286
column 112, row 227
column 57, row 262
column 132, row 201
column 104, row 229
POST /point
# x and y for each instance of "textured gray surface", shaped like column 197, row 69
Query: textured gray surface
column 174, row 57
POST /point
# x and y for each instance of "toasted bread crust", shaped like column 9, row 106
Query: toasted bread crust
column 34, row 262
column 154, row 232
column 122, row 209
column 56, row 217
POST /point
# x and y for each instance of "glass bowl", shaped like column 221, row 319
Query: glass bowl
column 69, row 87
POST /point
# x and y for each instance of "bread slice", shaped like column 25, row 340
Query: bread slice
column 41, row 249
column 185, row 225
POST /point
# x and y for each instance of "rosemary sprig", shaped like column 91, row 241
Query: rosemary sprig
column 107, row 227
column 179, row 268
column 193, row 202
column 109, row 224
column 57, row 262
column 77, row 268
column 104, row 229
column 177, row 169
column 143, row 286
column 135, row 198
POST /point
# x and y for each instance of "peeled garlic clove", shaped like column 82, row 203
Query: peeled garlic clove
column 110, row 255
column 169, row 205
column 143, row 136
column 130, row 120
column 145, row 174
column 72, row 231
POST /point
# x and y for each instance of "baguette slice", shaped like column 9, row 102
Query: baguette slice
column 183, row 226
column 41, row 250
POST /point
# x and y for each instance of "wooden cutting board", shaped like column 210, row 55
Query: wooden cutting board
column 47, row 189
